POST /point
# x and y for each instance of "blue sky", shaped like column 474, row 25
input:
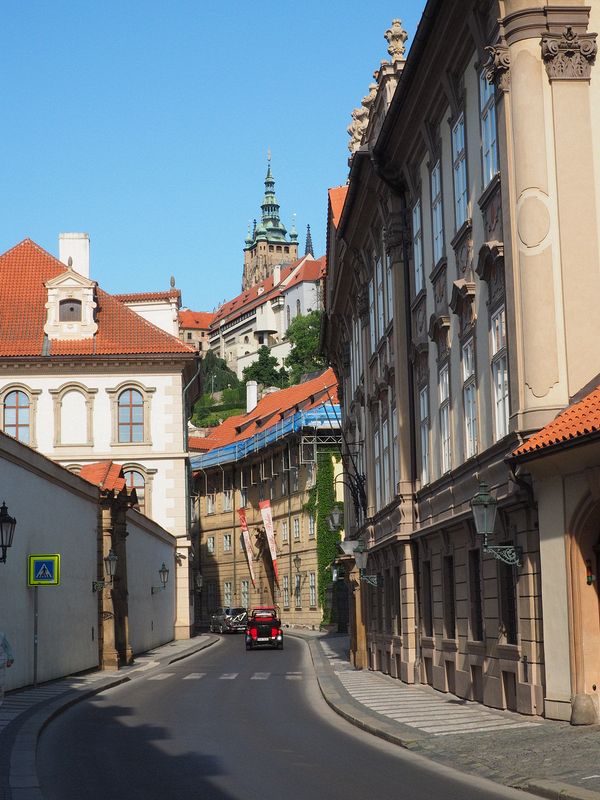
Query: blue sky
column 147, row 124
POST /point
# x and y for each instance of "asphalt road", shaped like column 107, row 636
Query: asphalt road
column 230, row 725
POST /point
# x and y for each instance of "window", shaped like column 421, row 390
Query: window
column 311, row 526
column 489, row 145
column 427, row 609
column 298, row 592
column 211, row 503
column 444, row 392
column 226, row 543
column 459, row 165
column 243, row 496
column 417, row 246
column 424, row 433
column 499, row 373
column 372, row 328
column 245, row 593
column 286, row 591
column 476, row 609
column 131, row 416
column 449, row 604
column 189, row 336
column 294, row 474
column 385, row 435
column 135, row 480
column 437, row 217
column 17, row 416
column 227, row 499
column 469, row 398
column 508, row 601
column 210, row 544
column 288, row 315
column 69, row 311
column 377, row 467
column 227, row 597
column 296, row 528
column 312, row 589
column 380, row 299
column 389, row 289
column 298, row 308
column 285, row 531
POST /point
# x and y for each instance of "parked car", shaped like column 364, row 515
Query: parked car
column 264, row 628
column 229, row 620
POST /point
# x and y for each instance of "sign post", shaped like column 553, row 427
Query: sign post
column 42, row 570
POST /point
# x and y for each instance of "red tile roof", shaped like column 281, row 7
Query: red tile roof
column 574, row 423
column 106, row 475
column 140, row 297
column 337, row 197
column 198, row 443
column 199, row 320
column 272, row 408
column 312, row 270
column 23, row 272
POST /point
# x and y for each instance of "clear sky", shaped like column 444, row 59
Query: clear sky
column 146, row 123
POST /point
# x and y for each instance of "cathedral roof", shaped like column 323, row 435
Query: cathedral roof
column 270, row 228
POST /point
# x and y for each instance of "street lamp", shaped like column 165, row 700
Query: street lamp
column 110, row 568
column 360, row 557
column 484, row 507
column 163, row 574
column 7, row 531
column 335, row 518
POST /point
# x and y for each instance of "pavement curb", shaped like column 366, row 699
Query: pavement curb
column 23, row 780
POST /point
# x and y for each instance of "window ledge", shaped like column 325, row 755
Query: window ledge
column 450, row 645
column 489, row 191
column 476, row 648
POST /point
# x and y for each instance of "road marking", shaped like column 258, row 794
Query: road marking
column 194, row 676
column 260, row 676
column 229, row 676
column 163, row 676
column 293, row 676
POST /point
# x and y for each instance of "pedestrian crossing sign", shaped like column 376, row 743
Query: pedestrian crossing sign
column 44, row 570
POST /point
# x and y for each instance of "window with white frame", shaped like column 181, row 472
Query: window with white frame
column 285, row 534
column 372, row 321
column 377, row 465
column 211, row 503
column 227, row 594
column 295, row 476
column 226, row 542
column 227, row 499
column 385, row 437
column 210, row 544
column 296, row 528
column 243, row 496
column 459, row 166
column 286, row 591
column 380, row 299
column 489, row 143
column 499, row 373
column 245, row 592
column 312, row 589
column 298, row 592
column 469, row 398
column 437, row 216
column 311, row 526
column 444, row 398
column 417, row 246
column 424, row 433
column 389, row 288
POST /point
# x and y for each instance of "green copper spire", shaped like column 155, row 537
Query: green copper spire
column 274, row 229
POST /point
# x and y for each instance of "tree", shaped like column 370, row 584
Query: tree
column 216, row 375
column 304, row 333
column 266, row 370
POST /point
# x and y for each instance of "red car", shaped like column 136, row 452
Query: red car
column 264, row 628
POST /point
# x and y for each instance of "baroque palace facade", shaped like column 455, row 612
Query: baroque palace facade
column 463, row 282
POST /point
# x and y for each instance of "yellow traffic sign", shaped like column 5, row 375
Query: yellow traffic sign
column 44, row 570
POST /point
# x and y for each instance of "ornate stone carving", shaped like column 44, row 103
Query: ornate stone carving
column 497, row 68
column 396, row 36
column 490, row 268
column 462, row 244
column 420, row 322
column 360, row 119
column 461, row 303
column 439, row 326
column 569, row 55
column 363, row 305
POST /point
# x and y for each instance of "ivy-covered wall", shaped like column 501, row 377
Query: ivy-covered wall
column 321, row 499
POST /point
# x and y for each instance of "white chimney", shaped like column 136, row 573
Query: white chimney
column 276, row 275
column 251, row 396
column 76, row 247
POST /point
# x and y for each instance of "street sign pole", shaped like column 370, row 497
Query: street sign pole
column 35, row 635
column 42, row 570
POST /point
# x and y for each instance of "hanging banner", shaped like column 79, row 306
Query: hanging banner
column 265, row 510
column 247, row 543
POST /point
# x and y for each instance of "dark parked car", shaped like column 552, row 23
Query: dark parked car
column 229, row 620
column 264, row 628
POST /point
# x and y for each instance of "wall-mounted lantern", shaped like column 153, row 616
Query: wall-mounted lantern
column 7, row 531
column 163, row 574
column 484, row 507
column 110, row 568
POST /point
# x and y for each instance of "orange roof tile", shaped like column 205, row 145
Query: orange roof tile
column 312, row 270
column 337, row 197
column 574, row 423
column 107, row 475
column 198, row 443
column 199, row 320
column 24, row 269
column 140, row 297
column 272, row 407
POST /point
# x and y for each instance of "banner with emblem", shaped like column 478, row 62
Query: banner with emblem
column 247, row 543
column 265, row 510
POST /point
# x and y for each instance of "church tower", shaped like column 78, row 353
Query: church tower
column 268, row 243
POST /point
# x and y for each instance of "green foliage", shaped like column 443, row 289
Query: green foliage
column 304, row 333
column 265, row 370
column 218, row 378
column 216, row 375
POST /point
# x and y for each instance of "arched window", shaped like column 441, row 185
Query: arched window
column 135, row 480
column 288, row 315
column 69, row 311
column 298, row 312
column 131, row 416
column 17, row 417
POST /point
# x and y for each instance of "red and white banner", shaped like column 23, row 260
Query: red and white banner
column 247, row 543
column 265, row 510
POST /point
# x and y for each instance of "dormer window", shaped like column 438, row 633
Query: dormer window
column 69, row 310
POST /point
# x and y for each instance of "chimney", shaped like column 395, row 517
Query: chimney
column 75, row 246
column 276, row 275
column 251, row 396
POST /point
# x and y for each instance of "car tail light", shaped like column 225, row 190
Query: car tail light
column 274, row 632
column 253, row 633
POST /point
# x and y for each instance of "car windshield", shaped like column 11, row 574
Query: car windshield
column 235, row 611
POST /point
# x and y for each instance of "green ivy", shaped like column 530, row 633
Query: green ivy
column 321, row 498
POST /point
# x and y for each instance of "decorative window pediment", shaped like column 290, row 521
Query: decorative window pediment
column 70, row 310
column 490, row 268
column 439, row 326
column 461, row 303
